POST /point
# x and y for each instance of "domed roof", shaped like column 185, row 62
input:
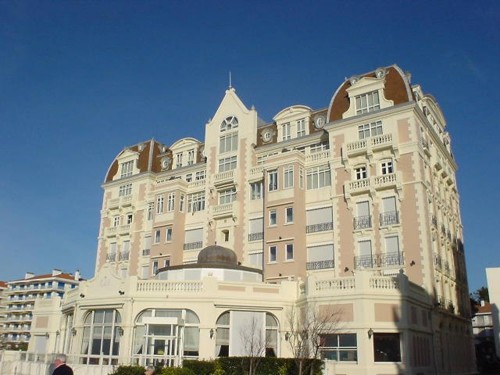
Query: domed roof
column 215, row 254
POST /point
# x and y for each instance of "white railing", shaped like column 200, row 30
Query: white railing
column 344, row 283
column 317, row 156
column 170, row 286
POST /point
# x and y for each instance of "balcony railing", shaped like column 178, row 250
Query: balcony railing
column 379, row 260
column 111, row 257
column 321, row 227
column 124, row 255
column 389, row 218
column 363, row 222
column 256, row 236
column 319, row 265
column 193, row 245
column 146, row 252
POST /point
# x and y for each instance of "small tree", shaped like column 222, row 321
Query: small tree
column 254, row 344
column 306, row 325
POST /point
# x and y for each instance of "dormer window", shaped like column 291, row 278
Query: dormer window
column 127, row 168
column 229, row 123
column 287, row 132
column 178, row 160
column 190, row 157
column 367, row 102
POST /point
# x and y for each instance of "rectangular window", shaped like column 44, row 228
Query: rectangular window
column 273, row 180
column 157, row 236
column 319, row 257
column 190, row 157
column 193, row 239
column 150, row 210
column 129, row 219
column 301, row 178
column 272, row 254
column 200, row 175
column 170, row 202
column 169, row 234
column 363, row 219
column 288, row 177
column 287, row 132
column 196, row 202
column 178, row 160
column 256, row 190
column 189, row 177
column 318, row 147
column 319, row 220
column 159, row 204
column 370, row 130
column 181, row 203
column 227, row 196
column 364, row 260
column 272, row 217
column 255, row 260
column 340, row 347
column 289, row 215
column 126, row 169
column 166, row 263
column 301, row 128
column 318, row 177
column 228, row 143
column 289, row 251
column 386, row 167
column 386, row 347
column 125, row 190
column 361, row 173
column 227, row 164
column 116, row 221
column 256, row 229
column 392, row 256
column 367, row 102
column 389, row 216
column 155, row 267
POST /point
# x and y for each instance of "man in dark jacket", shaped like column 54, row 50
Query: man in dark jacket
column 61, row 368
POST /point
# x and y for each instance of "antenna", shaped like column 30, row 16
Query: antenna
column 230, row 85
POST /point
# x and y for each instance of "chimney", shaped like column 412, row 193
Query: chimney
column 483, row 303
column 56, row 272
column 28, row 275
column 77, row 275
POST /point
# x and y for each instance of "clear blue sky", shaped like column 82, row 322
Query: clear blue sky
column 80, row 80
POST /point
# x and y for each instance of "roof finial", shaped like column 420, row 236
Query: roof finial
column 230, row 85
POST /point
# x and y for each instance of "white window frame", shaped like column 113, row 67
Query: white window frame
column 178, row 160
column 157, row 237
column 286, row 130
column 228, row 142
column 272, row 177
column 273, row 254
column 301, row 128
column 367, row 102
column 256, row 190
column 168, row 234
column 151, row 207
column 159, row 204
column 361, row 172
column 289, row 215
column 171, row 202
column 196, row 202
column 288, row 177
column 318, row 177
column 228, row 164
column 190, row 157
column 127, row 169
column 200, row 175
column 116, row 221
column 125, row 190
column 227, row 196
column 229, row 123
column 386, row 167
column 273, row 218
column 289, row 252
column 371, row 129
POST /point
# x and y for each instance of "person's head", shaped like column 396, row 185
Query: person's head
column 60, row 359
column 150, row 370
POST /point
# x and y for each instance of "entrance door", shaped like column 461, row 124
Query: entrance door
column 162, row 343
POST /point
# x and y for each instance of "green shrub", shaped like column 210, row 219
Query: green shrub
column 128, row 370
column 176, row 371
column 200, row 367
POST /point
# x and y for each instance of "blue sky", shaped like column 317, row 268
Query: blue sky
column 80, row 80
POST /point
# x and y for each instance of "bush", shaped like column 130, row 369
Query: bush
column 176, row 371
column 199, row 367
column 129, row 370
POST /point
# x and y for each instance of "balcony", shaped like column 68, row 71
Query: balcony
column 321, row 227
column 124, row 255
column 379, row 260
column 368, row 145
column 389, row 218
column 362, row 222
column 225, row 178
column 117, row 202
column 386, row 181
column 224, row 210
column 124, row 229
column 255, row 236
column 319, row 265
column 111, row 257
column 357, row 187
column 193, row 245
column 318, row 156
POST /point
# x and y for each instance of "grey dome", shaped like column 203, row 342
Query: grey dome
column 215, row 254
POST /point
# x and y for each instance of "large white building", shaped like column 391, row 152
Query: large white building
column 352, row 208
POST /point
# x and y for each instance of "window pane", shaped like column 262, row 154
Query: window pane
column 386, row 347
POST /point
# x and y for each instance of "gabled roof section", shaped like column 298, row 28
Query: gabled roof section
column 65, row 276
column 231, row 100
column 397, row 89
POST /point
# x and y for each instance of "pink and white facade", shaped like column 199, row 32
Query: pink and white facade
column 353, row 206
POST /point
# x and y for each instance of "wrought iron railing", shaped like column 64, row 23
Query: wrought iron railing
column 379, row 260
column 256, row 236
column 363, row 222
column 389, row 218
column 193, row 245
column 321, row 227
column 319, row 265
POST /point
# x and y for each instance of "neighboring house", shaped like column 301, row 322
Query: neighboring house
column 493, row 279
column 3, row 311
column 21, row 296
column 482, row 328
column 353, row 207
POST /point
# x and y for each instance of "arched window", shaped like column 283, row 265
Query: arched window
column 101, row 337
column 251, row 333
column 229, row 123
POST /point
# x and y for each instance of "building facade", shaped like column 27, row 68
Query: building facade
column 493, row 280
column 3, row 311
column 351, row 208
column 21, row 296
